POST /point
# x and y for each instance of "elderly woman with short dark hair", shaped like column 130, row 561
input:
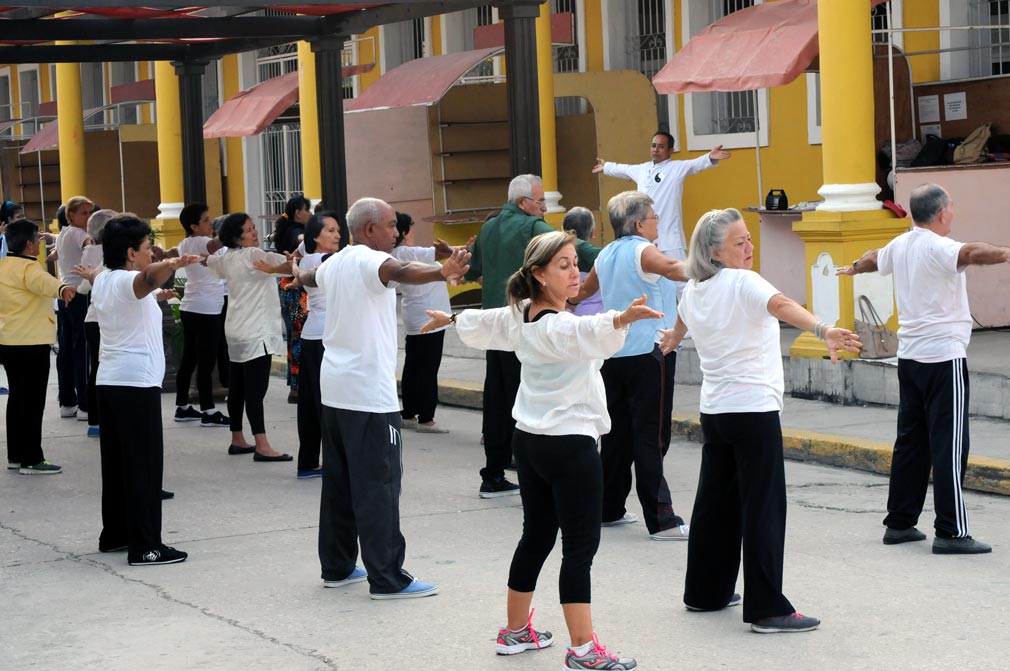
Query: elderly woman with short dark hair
column 733, row 314
column 27, row 331
column 252, row 328
column 129, row 390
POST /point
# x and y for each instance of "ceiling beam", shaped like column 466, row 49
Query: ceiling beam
column 102, row 28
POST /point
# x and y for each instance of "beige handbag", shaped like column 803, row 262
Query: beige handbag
column 879, row 342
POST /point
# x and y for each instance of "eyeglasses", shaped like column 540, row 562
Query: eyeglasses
column 539, row 201
column 652, row 216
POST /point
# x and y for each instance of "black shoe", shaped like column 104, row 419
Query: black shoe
column 111, row 547
column 163, row 555
column 214, row 419
column 895, row 536
column 733, row 601
column 190, row 414
column 167, row 495
column 960, row 546
column 238, row 449
column 492, row 489
column 276, row 457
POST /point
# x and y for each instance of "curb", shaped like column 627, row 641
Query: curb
column 984, row 474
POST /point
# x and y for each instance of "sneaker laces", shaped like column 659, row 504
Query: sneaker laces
column 533, row 632
column 601, row 650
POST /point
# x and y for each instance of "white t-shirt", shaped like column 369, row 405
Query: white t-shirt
column 253, row 326
column 93, row 256
column 664, row 183
column 359, row 366
column 312, row 329
column 69, row 251
column 560, row 389
column 934, row 320
column 204, row 293
column 737, row 341
column 132, row 352
column 420, row 297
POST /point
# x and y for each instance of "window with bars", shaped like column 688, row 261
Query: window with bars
column 280, row 142
column 878, row 21
column 990, row 46
column 566, row 56
column 646, row 49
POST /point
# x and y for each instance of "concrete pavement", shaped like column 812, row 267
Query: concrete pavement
column 250, row 596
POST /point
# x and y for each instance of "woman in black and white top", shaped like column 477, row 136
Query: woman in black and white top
column 733, row 314
column 200, row 312
column 560, row 412
column 322, row 238
column 289, row 231
column 129, row 390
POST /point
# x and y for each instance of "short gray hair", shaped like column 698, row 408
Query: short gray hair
column 926, row 202
column 625, row 209
column 522, row 187
column 364, row 211
column 97, row 221
column 580, row 221
column 708, row 236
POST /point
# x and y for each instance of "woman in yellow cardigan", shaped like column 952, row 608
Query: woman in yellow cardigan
column 27, row 332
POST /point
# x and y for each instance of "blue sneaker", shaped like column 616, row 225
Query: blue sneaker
column 357, row 575
column 415, row 590
column 310, row 473
column 93, row 432
column 4, row 391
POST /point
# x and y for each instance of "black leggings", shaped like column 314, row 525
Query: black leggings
column 422, row 357
column 561, row 483
column 199, row 350
column 93, row 342
column 310, row 405
column 249, row 382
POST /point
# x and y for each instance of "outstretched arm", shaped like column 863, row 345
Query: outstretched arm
column 451, row 271
column 867, row 263
column 151, row 278
column 982, row 254
column 658, row 263
column 787, row 310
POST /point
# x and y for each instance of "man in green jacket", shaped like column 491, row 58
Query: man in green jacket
column 497, row 253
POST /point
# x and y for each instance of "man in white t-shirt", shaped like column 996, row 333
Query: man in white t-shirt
column 934, row 326
column 362, row 460
column 663, row 180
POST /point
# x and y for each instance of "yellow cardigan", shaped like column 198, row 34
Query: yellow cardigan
column 26, row 302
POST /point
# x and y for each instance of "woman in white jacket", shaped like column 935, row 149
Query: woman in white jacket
column 560, row 412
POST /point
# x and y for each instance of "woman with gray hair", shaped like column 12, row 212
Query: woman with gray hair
column 639, row 377
column 733, row 314
column 580, row 221
column 92, row 256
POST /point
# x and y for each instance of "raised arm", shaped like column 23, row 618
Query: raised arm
column 152, row 277
column 658, row 263
column 982, row 254
column 451, row 271
column 867, row 263
column 786, row 309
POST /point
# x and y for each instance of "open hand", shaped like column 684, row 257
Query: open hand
column 165, row 294
column 456, row 266
column 87, row 272
column 638, row 310
column 438, row 320
column 599, row 165
column 184, row 260
column 719, row 154
column 670, row 340
column 841, row 339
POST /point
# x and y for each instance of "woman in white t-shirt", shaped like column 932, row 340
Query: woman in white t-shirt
column 560, row 412
column 253, row 330
column 200, row 312
column 129, row 390
column 422, row 351
column 322, row 238
column 733, row 314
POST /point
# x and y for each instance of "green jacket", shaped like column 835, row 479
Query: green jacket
column 501, row 246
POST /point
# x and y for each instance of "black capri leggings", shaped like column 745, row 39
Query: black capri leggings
column 561, row 483
column 199, row 351
column 249, row 382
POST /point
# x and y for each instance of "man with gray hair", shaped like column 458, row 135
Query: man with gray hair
column 934, row 326
column 362, row 447
column 497, row 253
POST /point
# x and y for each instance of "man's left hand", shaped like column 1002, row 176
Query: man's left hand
column 456, row 266
column 719, row 154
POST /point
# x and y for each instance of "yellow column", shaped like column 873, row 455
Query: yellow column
column 548, row 130
column 312, row 184
column 169, row 123
column 234, row 181
column 70, row 117
column 850, row 220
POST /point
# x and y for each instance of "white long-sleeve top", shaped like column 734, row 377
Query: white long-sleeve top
column 560, row 389
column 664, row 183
column 253, row 326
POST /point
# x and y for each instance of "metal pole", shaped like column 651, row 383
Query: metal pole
column 890, row 85
column 122, row 173
column 757, row 145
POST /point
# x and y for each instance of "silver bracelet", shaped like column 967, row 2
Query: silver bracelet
column 819, row 329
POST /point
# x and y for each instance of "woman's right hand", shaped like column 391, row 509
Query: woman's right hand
column 637, row 310
column 438, row 320
column 841, row 339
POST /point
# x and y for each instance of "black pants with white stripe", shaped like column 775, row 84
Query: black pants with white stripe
column 932, row 432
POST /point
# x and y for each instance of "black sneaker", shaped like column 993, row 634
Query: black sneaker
column 190, row 414
column 785, row 624
column 214, row 419
column 947, row 546
column 492, row 489
column 114, row 546
column 163, row 555
column 896, row 536
column 733, row 601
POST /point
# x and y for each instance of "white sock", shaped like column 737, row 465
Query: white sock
column 583, row 649
column 209, row 411
column 185, row 407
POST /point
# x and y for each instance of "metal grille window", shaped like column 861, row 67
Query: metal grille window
column 566, row 57
column 6, row 112
column 211, row 97
column 280, row 143
column 878, row 21
column 990, row 53
column 124, row 73
column 485, row 17
column 647, row 46
column 721, row 113
column 29, row 84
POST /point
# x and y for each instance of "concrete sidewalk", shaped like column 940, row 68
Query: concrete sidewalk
column 852, row 436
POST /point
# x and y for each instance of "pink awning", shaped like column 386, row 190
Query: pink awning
column 422, row 81
column 758, row 47
column 249, row 112
column 493, row 34
column 49, row 136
